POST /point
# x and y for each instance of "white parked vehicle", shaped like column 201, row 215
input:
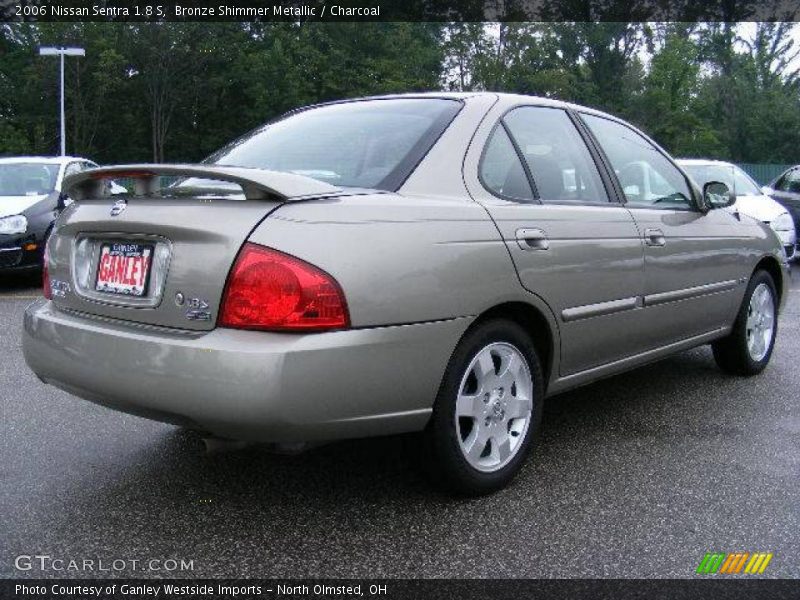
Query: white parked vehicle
column 750, row 199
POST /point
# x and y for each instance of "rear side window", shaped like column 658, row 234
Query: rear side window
column 561, row 165
column 557, row 159
column 501, row 170
column 370, row 144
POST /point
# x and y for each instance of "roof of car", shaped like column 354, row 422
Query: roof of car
column 503, row 97
column 55, row 160
column 464, row 95
column 703, row 162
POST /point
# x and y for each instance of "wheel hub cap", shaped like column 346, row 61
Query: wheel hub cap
column 760, row 322
column 494, row 406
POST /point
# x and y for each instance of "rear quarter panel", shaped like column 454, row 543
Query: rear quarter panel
column 399, row 259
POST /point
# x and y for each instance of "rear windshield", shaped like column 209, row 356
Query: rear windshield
column 27, row 179
column 369, row 143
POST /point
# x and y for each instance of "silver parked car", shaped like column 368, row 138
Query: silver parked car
column 750, row 199
column 436, row 263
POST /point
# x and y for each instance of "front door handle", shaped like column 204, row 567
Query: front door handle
column 654, row 237
column 532, row 239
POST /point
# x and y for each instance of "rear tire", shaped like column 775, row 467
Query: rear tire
column 748, row 348
column 488, row 410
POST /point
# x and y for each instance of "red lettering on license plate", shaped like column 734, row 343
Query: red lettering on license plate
column 123, row 269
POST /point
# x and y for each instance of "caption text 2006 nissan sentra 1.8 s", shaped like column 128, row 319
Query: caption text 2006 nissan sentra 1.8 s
column 436, row 263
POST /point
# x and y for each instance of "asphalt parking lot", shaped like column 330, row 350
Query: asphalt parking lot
column 636, row 476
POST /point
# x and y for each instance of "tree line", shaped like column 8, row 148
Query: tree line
column 177, row 91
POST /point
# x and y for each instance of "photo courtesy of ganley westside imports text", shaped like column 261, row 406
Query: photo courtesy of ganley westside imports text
column 441, row 298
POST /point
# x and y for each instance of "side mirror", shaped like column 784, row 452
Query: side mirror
column 765, row 189
column 717, row 195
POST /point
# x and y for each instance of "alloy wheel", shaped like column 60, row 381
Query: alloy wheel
column 760, row 322
column 493, row 408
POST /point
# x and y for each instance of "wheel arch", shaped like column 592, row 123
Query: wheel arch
column 535, row 323
column 771, row 265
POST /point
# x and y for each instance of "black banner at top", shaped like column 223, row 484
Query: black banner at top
column 399, row 10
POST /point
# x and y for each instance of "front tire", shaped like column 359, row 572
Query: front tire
column 488, row 410
column 748, row 348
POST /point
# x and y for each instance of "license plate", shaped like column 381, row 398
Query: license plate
column 124, row 268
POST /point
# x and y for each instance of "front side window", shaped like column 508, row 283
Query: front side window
column 647, row 177
column 370, row 143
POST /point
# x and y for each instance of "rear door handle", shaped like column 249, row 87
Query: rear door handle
column 532, row 239
column 654, row 237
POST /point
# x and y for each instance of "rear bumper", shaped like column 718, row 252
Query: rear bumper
column 248, row 385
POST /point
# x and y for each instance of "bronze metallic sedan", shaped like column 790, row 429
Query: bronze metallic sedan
column 432, row 263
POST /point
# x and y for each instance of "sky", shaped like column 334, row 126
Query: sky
column 747, row 31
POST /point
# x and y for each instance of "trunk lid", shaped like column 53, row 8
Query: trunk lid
column 189, row 239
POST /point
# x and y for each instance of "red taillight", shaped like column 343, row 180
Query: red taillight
column 270, row 290
column 46, row 290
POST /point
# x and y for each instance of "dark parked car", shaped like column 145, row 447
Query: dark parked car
column 785, row 189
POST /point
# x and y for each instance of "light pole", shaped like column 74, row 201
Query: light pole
column 62, row 52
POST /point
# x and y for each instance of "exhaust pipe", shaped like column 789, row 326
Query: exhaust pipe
column 217, row 445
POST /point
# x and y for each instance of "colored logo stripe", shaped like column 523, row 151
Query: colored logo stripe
column 711, row 563
column 732, row 564
column 758, row 563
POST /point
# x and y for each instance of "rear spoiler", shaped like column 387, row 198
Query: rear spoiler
column 257, row 184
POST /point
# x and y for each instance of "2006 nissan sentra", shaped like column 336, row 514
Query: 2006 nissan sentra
column 437, row 263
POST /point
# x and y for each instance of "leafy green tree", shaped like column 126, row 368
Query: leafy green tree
column 178, row 91
column 667, row 105
column 464, row 47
